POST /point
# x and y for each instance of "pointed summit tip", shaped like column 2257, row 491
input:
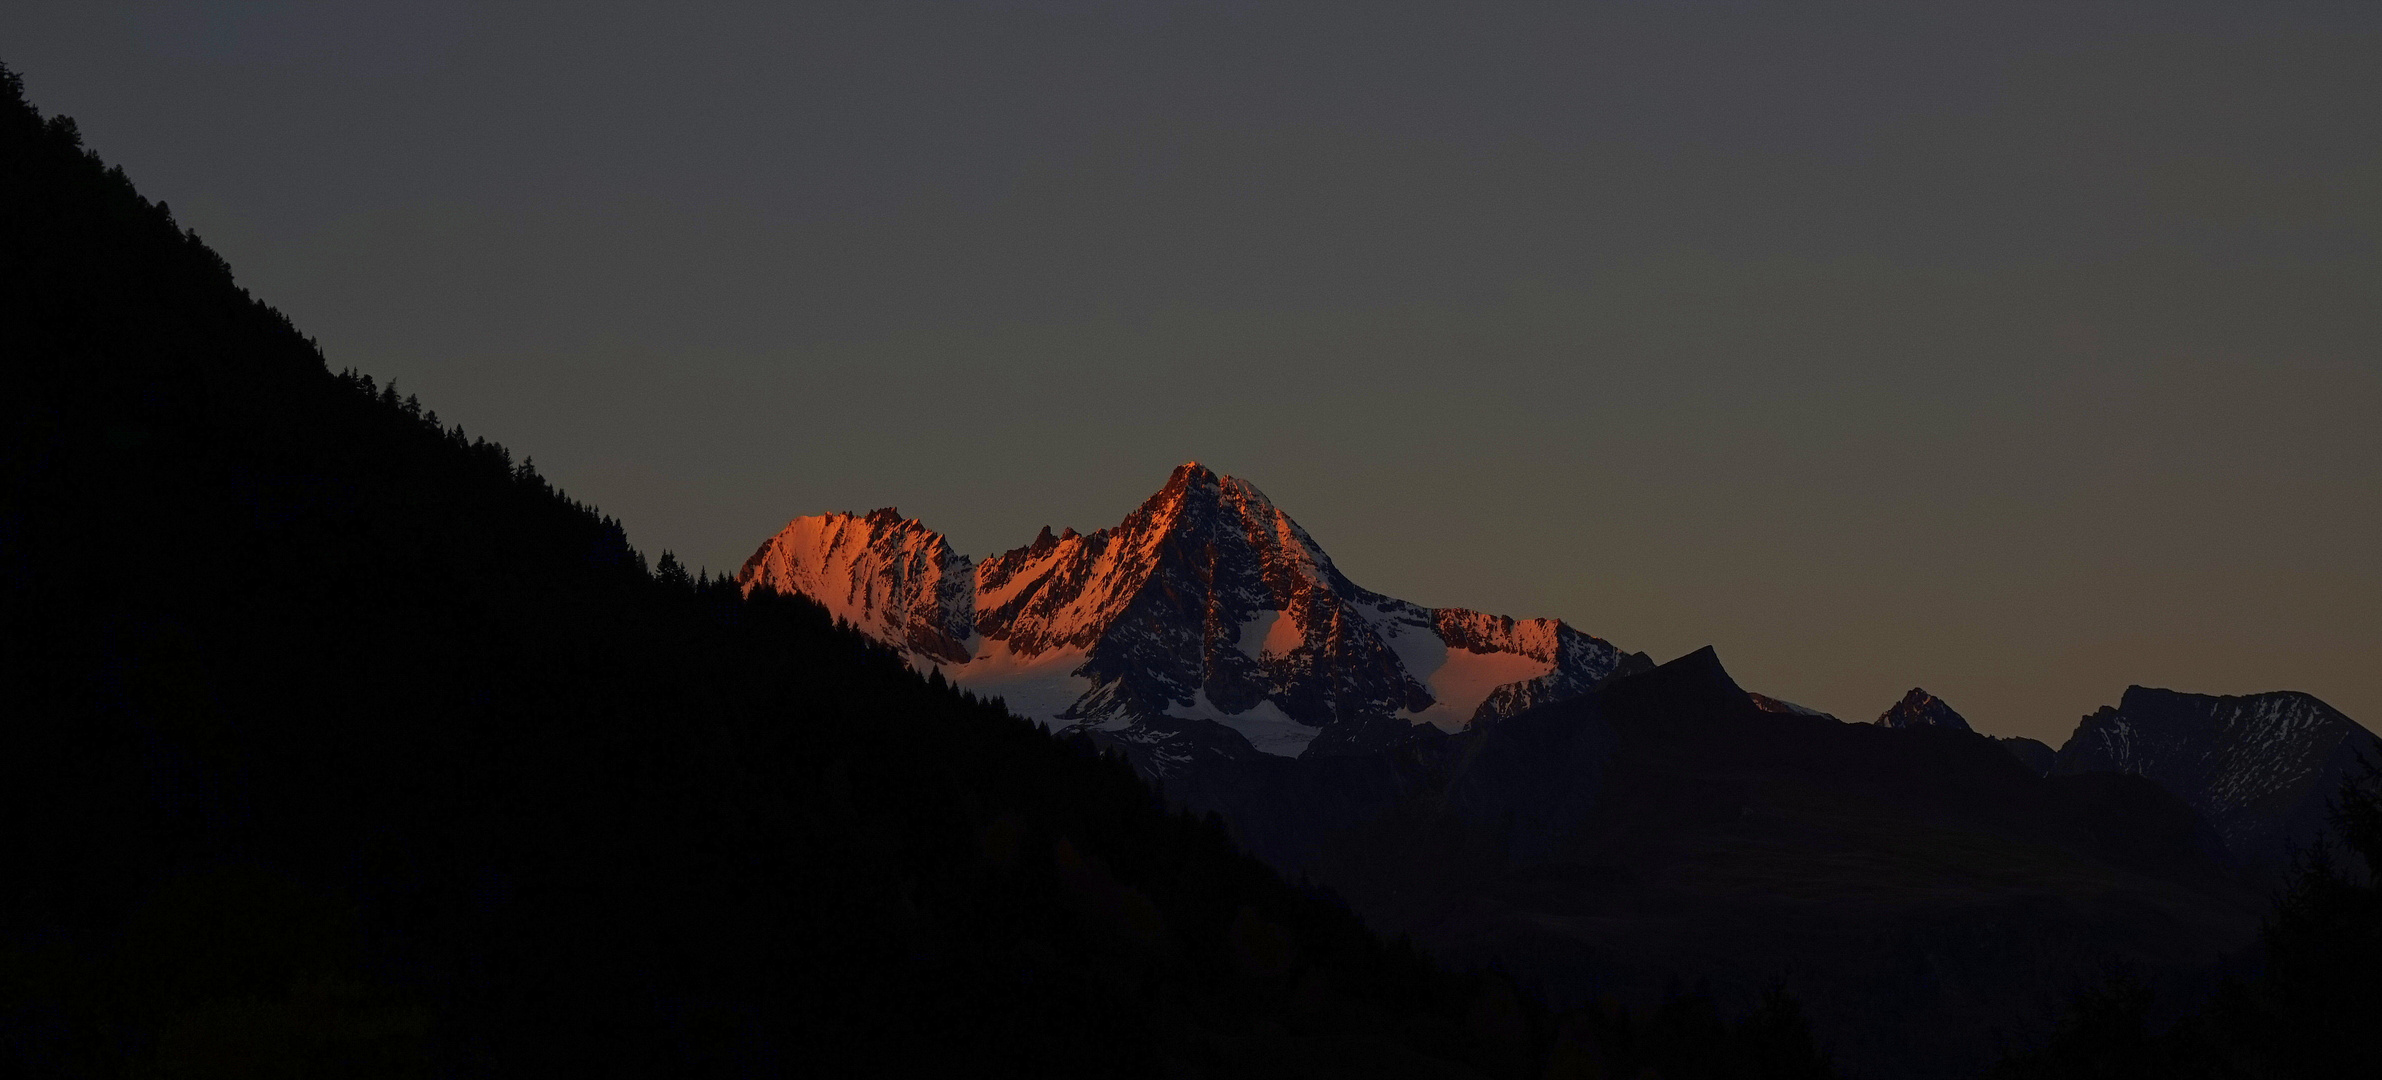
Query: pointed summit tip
column 1692, row 685
column 1706, row 657
column 1192, row 471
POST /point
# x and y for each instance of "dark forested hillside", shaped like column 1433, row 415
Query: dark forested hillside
column 337, row 742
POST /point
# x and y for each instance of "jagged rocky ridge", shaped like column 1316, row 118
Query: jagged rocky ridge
column 1205, row 626
column 1920, row 709
column 2260, row 767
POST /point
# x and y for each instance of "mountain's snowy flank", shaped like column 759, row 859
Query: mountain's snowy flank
column 1207, row 622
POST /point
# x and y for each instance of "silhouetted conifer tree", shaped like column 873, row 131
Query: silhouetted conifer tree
column 669, row 572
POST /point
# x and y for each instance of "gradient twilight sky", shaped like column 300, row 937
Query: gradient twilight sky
column 2019, row 351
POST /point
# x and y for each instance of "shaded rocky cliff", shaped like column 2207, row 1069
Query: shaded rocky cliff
column 2260, row 767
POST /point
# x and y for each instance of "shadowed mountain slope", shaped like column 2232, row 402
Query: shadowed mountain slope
column 2261, row 767
column 1922, row 891
column 2037, row 754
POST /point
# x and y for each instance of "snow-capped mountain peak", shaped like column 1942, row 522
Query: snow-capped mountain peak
column 1206, row 622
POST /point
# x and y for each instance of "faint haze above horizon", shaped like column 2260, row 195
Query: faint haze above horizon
column 2016, row 351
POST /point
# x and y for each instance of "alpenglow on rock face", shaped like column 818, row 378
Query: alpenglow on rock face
column 1207, row 623
column 2261, row 768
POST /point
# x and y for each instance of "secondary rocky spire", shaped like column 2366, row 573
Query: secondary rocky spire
column 1922, row 709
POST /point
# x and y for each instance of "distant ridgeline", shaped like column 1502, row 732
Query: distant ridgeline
column 1209, row 632
column 340, row 744
column 1516, row 791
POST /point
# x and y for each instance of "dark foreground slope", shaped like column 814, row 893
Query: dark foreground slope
column 2309, row 1013
column 339, row 744
column 1928, row 897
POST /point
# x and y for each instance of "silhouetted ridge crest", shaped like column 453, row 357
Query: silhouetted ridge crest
column 1691, row 686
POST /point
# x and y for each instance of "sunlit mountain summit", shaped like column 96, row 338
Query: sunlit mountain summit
column 1206, row 624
